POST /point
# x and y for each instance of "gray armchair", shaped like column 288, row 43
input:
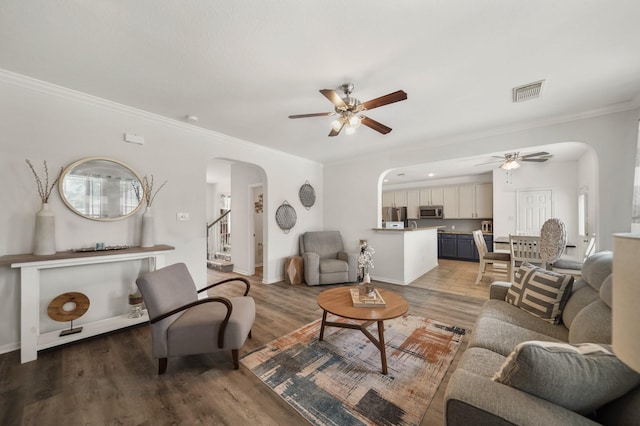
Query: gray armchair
column 182, row 324
column 324, row 258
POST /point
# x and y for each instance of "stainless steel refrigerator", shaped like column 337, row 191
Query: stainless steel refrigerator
column 394, row 214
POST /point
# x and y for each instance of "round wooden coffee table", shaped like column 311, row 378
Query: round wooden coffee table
column 337, row 301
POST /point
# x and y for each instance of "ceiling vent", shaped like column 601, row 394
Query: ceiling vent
column 527, row 92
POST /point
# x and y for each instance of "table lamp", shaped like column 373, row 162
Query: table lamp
column 626, row 299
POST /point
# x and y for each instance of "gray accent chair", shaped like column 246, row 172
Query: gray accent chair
column 182, row 324
column 324, row 258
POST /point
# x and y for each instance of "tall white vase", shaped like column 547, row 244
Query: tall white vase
column 148, row 235
column 45, row 233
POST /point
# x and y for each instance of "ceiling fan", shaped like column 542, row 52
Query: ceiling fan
column 511, row 160
column 349, row 110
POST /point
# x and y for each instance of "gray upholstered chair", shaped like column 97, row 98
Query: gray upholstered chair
column 182, row 324
column 324, row 259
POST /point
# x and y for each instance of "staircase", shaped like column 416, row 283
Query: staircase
column 220, row 259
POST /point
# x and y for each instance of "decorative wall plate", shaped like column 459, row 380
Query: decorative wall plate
column 307, row 195
column 286, row 216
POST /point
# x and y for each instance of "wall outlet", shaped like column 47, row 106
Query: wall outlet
column 182, row 216
column 453, row 227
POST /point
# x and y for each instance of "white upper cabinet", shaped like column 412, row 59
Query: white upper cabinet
column 484, row 201
column 413, row 203
column 450, row 202
column 468, row 201
column 400, row 198
column 431, row 196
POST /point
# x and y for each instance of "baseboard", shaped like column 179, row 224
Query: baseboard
column 9, row 347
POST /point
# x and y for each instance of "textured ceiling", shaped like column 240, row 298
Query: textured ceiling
column 243, row 66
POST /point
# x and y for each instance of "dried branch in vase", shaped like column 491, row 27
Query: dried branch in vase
column 147, row 185
column 44, row 189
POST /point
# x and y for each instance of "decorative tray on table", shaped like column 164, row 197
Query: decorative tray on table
column 362, row 301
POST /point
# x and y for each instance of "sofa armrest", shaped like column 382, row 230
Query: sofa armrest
column 352, row 259
column 498, row 290
column 311, row 262
column 474, row 399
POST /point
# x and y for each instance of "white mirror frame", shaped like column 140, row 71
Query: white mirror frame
column 92, row 190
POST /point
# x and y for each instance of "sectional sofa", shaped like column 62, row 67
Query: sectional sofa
column 520, row 369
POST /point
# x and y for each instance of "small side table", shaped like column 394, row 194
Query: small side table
column 293, row 270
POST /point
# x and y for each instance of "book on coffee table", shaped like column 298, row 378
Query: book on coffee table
column 362, row 301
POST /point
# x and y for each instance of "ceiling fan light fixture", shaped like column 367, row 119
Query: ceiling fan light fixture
column 350, row 130
column 354, row 121
column 337, row 123
column 510, row 165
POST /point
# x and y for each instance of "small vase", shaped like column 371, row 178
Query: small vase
column 45, row 232
column 148, row 237
column 368, row 287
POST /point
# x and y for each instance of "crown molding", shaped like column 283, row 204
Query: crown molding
column 30, row 83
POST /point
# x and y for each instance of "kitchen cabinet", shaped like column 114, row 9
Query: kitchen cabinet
column 394, row 199
column 413, row 203
column 387, row 199
column 450, row 202
column 460, row 246
column 432, row 196
column 475, row 201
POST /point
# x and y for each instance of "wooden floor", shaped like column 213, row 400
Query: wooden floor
column 111, row 379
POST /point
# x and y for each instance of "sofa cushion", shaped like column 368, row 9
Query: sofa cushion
column 503, row 311
column 581, row 296
column 581, row 378
column 481, row 361
column 597, row 268
column 326, row 243
column 502, row 337
column 592, row 324
column 540, row 292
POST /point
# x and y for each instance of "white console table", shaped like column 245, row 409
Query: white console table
column 30, row 266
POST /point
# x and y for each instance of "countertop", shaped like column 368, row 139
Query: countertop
column 463, row 232
column 424, row 228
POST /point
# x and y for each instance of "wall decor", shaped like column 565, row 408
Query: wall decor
column 103, row 189
column 148, row 231
column 307, row 195
column 286, row 216
column 68, row 307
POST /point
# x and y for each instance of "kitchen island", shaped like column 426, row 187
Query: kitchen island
column 405, row 253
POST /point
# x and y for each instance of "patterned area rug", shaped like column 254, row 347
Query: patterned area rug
column 339, row 382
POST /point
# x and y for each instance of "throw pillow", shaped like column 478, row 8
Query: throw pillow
column 540, row 292
column 580, row 377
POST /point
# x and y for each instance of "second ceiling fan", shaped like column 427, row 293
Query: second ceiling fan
column 511, row 160
column 349, row 110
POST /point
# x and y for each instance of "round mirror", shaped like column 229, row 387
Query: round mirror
column 101, row 189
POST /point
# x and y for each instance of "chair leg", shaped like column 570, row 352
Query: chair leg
column 480, row 272
column 162, row 366
column 250, row 334
column 236, row 363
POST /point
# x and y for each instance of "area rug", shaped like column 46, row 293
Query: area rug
column 339, row 382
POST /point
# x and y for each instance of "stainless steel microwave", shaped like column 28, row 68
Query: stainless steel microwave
column 430, row 212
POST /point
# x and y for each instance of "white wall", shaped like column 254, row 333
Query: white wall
column 353, row 209
column 45, row 122
column 560, row 177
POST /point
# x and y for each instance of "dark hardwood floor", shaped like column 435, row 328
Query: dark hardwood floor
column 112, row 379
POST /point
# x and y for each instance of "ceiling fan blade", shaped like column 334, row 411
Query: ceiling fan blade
column 335, row 132
column 400, row 95
column 316, row 114
column 537, row 160
column 334, row 98
column 537, row 154
column 490, row 162
column 378, row 127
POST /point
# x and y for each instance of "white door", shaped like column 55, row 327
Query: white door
column 533, row 209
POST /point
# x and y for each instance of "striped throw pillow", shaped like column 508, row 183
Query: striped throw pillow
column 540, row 292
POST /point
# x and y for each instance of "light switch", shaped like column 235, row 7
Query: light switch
column 182, row 216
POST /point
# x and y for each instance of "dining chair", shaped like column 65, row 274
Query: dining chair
column 574, row 267
column 553, row 240
column 524, row 248
column 183, row 324
column 491, row 262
